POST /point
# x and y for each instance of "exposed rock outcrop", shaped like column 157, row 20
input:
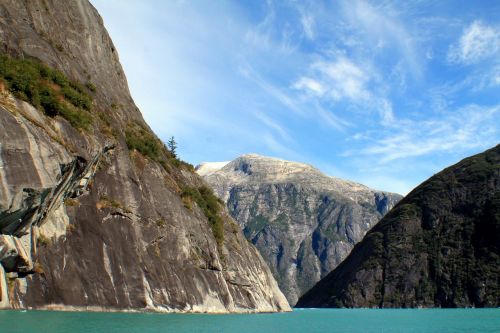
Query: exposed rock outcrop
column 95, row 218
column 303, row 222
column 439, row 247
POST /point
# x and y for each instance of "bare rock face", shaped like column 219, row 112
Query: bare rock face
column 87, row 223
column 439, row 247
column 303, row 222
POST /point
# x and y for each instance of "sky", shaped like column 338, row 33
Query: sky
column 384, row 93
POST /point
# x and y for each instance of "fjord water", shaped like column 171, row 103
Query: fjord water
column 300, row 320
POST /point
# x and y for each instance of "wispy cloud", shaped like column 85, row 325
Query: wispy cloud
column 470, row 127
column 486, row 78
column 386, row 112
column 278, row 147
column 340, row 79
column 385, row 30
column 308, row 24
column 495, row 79
column 274, row 34
column 305, row 109
column 331, row 119
column 260, row 35
column 478, row 41
column 248, row 72
column 283, row 133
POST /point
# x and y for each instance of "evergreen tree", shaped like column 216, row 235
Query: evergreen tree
column 172, row 146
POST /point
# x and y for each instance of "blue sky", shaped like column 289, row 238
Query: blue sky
column 383, row 93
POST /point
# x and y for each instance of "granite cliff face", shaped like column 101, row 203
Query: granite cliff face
column 439, row 247
column 303, row 222
column 102, row 216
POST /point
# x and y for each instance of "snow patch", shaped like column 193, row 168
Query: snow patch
column 208, row 167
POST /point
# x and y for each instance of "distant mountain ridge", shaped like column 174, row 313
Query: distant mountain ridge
column 439, row 247
column 303, row 222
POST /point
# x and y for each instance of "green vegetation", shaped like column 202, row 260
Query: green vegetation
column 145, row 142
column 142, row 140
column 333, row 234
column 281, row 222
column 480, row 167
column 47, row 89
column 107, row 202
column 259, row 222
column 90, row 86
column 438, row 247
column 210, row 205
column 161, row 222
column 172, row 146
column 255, row 225
column 75, row 95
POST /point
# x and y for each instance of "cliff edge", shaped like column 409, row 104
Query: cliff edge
column 95, row 212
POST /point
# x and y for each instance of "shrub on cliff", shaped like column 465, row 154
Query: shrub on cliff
column 143, row 141
column 211, row 207
column 47, row 89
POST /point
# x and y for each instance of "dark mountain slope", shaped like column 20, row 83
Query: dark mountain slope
column 439, row 247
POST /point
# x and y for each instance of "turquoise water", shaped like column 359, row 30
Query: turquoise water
column 310, row 320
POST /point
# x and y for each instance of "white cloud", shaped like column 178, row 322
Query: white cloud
column 288, row 44
column 485, row 79
column 386, row 112
column 470, row 127
column 491, row 78
column 480, row 80
column 339, row 79
column 308, row 24
column 308, row 84
column 309, row 109
column 478, row 42
column 345, row 79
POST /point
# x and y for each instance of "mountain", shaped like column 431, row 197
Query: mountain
column 439, row 247
column 95, row 212
column 303, row 222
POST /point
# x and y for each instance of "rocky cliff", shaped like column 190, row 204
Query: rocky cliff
column 439, row 247
column 95, row 212
column 303, row 222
